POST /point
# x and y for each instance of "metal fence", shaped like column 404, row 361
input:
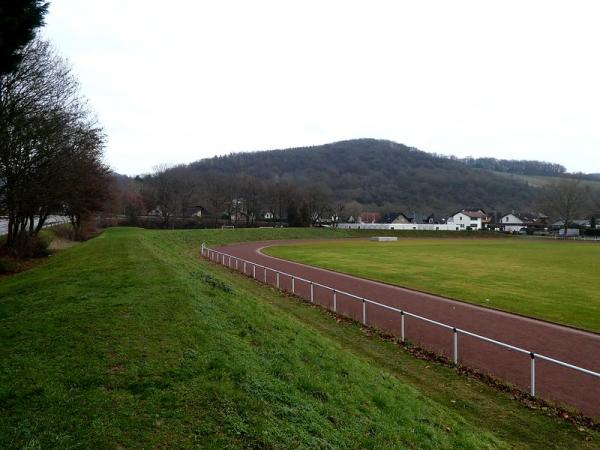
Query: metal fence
column 236, row 263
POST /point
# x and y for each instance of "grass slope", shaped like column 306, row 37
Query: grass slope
column 540, row 181
column 129, row 341
column 555, row 281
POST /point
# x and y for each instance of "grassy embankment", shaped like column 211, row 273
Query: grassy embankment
column 130, row 341
column 552, row 280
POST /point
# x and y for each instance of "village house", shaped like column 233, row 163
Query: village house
column 516, row 222
column 422, row 218
column 195, row 211
column 400, row 218
column 469, row 219
column 369, row 217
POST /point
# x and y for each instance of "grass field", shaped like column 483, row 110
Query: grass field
column 130, row 341
column 555, row 281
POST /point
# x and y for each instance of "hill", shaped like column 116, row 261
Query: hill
column 380, row 173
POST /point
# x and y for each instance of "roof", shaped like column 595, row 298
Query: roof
column 415, row 217
column 472, row 214
column 370, row 217
column 527, row 216
column 578, row 222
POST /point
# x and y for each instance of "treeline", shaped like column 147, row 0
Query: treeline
column 171, row 193
column 50, row 143
column 520, row 167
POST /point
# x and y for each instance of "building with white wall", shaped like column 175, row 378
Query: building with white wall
column 469, row 220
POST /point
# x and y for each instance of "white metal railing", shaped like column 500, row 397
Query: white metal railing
column 220, row 258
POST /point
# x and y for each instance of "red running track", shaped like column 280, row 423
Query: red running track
column 556, row 383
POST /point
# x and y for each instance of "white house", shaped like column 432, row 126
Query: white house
column 516, row 222
column 474, row 220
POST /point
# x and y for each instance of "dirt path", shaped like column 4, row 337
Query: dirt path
column 559, row 384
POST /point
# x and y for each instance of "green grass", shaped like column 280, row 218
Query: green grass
column 550, row 280
column 130, row 341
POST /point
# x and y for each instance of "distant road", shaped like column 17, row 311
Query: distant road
column 50, row 221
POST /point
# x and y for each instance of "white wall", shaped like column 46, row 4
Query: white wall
column 463, row 221
column 511, row 223
column 400, row 226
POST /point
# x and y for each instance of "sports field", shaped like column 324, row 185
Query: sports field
column 551, row 280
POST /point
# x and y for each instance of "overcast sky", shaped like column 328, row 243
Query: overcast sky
column 179, row 81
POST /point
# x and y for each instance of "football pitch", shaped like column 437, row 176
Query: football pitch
column 551, row 280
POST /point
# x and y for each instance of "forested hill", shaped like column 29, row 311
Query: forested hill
column 379, row 173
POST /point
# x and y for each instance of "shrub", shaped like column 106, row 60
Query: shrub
column 38, row 246
column 8, row 265
column 64, row 231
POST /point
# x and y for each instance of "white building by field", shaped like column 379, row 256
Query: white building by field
column 469, row 220
column 516, row 222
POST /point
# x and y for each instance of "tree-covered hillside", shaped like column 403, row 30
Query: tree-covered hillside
column 379, row 173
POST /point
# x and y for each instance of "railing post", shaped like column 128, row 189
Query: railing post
column 265, row 275
column 455, row 346
column 293, row 287
column 402, row 325
column 334, row 301
column 312, row 292
column 364, row 307
column 277, row 280
column 532, row 374
column 244, row 267
column 254, row 271
column 236, row 264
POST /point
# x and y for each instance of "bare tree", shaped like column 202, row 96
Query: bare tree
column 45, row 128
column 216, row 196
column 565, row 200
column 281, row 195
column 337, row 213
column 169, row 190
column 318, row 202
column 252, row 190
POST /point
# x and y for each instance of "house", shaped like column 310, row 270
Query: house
column 400, row 218
column 268, row 215
column 157, row 212
column 469, row 219
column 575, row 223
column 516, row 222
column 421, row 218
column 195, row 211
column 369, row 217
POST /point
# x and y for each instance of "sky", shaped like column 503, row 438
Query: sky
column 174, row 82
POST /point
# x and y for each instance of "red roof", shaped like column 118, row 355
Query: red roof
column 369, row 217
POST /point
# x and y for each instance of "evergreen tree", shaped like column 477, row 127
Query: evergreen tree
column 18, row 22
